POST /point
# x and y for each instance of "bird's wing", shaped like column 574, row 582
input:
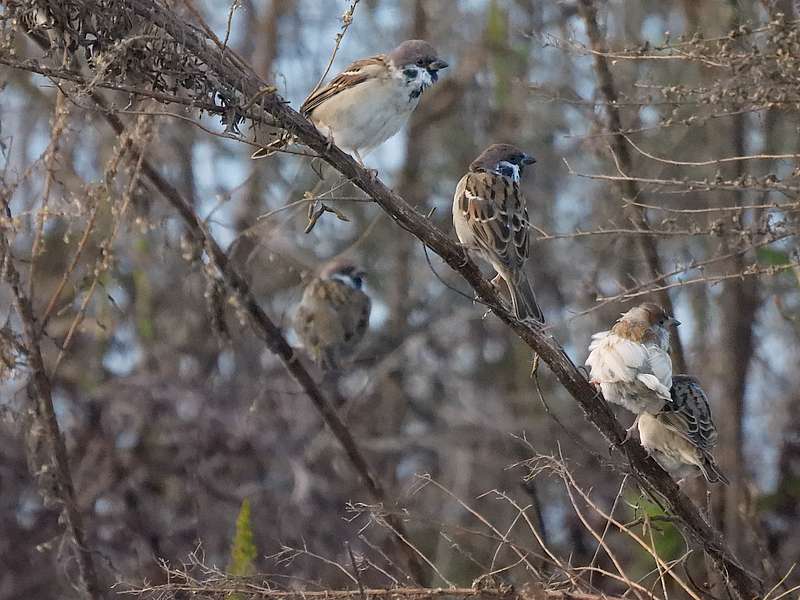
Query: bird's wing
column 357, row 73
column 597, row 339
column 355, row 307
column 317, row 319
column 660, row 365
column 496, row 211
column 616, row 359
column 689, row 413
column 652, row 382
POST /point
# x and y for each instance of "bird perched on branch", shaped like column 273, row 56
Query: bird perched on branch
column 490, row 216
column 371, row 100
column 333, row 314
column 680, row 437
column 631, row 363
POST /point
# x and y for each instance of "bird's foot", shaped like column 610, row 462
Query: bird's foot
column 626, row 439
column 629, row 431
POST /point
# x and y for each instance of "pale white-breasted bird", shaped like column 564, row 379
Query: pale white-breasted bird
column 631, row 363
column 333, row 314
column 681, row 436
column 490, row 216
column 370, row 101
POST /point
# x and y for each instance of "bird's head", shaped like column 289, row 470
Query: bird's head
column 417, row 62
column 503, row 159
column 344, row 271
column 654, row 318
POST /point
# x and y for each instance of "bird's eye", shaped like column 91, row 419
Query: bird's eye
column 410, row 73
column 421, row 62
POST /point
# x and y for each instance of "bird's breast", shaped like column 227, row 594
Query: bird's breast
column 365, row 116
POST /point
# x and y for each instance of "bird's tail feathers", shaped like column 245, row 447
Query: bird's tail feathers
column 523, row 301
column 327, row 360
column 711, row 470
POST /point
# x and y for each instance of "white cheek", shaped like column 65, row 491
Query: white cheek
column 424, row 78
column 514, row 170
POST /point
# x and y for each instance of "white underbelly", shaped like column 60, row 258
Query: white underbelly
column 364, row 117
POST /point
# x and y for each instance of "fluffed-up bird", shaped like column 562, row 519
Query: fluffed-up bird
column 370, row 100
column 490, row 216
column 631, row 363
column 333, row 314
column 681, row 436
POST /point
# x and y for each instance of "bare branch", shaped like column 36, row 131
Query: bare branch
column 56, row 450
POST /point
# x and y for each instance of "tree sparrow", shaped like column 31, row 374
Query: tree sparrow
column 490, row 216
column 631, row 363
column 681, row 436
column 333, row 314
column 371, row 100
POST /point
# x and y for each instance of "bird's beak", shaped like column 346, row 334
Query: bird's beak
column 528, row 160
column 675, row 322
column 437, row 64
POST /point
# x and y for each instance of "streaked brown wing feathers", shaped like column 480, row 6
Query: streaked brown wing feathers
column 495, row 209
column 356, row 73
column 689, row 413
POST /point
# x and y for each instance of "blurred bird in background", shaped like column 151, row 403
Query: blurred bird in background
column 371, row 100
column 680, row 437
column 490, row 216
column 333, row 314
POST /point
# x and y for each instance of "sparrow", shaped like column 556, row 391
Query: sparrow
column 631, row 363
column 490, row 216
column 371, row 100
column 680, row 437
column 333, row 314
